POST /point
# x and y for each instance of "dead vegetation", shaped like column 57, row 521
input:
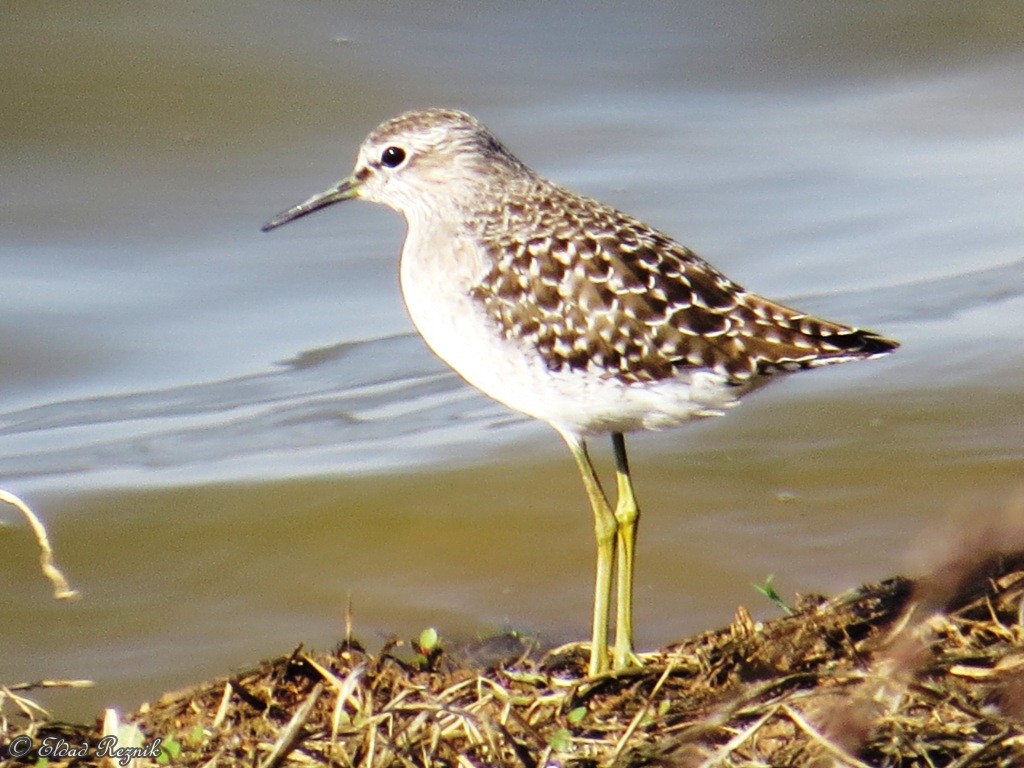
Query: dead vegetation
column 903, row 673
column 47, row 564
column 866, row 679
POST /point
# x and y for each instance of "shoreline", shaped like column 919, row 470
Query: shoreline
column 904, row 672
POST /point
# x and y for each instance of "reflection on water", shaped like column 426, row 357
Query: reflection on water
column 230, row 435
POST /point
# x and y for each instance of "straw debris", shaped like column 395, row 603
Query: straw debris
column 875, row 677
column 47, row 563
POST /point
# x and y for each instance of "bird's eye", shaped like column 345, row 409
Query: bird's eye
column 392, row 157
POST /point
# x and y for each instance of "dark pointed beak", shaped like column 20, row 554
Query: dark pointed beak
column 343, row 190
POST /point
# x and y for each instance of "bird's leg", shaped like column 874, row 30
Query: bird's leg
column 627, row 513
column 605, row 530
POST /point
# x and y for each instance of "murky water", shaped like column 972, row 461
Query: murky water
column 232, row 435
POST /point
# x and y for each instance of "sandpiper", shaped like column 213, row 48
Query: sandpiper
column 572, row 312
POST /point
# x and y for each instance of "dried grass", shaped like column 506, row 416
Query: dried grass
column 926, row 673
column 47, row 564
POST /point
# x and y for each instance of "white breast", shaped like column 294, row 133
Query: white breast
column 438, row 270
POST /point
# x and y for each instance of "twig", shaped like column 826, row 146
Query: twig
column 984, row 750
column 641, row 713
column 834, row 749
column 290, row 736
column 61, row 589
column 222, row 710
column 736, row 741
column 50, row 684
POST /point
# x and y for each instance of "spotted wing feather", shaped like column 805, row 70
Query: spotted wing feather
column 593, row 289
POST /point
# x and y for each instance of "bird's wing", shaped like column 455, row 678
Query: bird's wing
column 597, row 290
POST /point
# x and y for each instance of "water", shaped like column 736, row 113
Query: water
column 233, row 435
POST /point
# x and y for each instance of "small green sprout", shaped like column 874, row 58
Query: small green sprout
column 428, row 640
column 561, row 740
column 428, row 648
column 169, row 750
column 768, row 590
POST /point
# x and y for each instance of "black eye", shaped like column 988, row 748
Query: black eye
column 392, row 157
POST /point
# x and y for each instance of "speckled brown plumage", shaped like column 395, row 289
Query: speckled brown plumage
column 593, row 289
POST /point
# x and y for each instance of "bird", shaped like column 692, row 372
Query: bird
column 573, row 313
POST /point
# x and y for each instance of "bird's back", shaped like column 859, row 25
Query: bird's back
column 594, row 290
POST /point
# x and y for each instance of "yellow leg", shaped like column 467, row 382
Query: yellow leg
column 605, row 530
column 627, row 513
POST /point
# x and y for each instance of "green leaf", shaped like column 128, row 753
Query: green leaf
column 168, row 749
column 768, row 590
column 428, row 639
column 561, row 740
column 575, row 717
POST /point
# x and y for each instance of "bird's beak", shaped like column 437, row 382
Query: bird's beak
column 343, row 190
